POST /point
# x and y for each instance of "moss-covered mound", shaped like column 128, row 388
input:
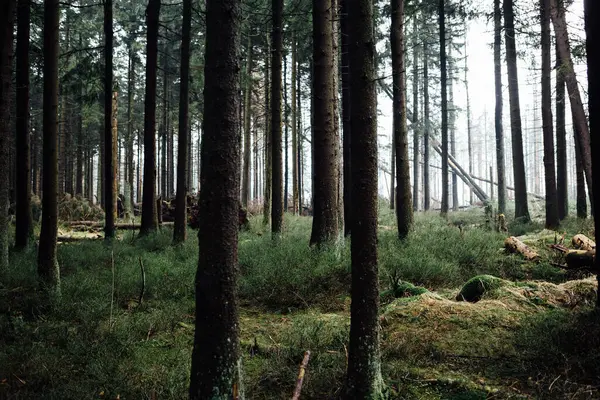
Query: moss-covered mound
column 403, row 289
column 479, row 285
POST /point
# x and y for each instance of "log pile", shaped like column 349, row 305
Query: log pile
column 583, row 257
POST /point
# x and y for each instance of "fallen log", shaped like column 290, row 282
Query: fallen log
column 301, row 374
column 71, row 239
column 583, row 242
column 514, row 245
column 580, row 259
column 121, row 225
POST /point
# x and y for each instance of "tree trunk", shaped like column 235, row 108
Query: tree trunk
column 325, row 142
column 415, row 120
column 130, row 132
column 110, row 209
column 521, row 206
column 247, row 125
column 364, row 379
column 346, row 117
column 24, row 223
column 426, row 132
column 215, row 357
column 277, row 166
column 561, row 142
column 149, row 221
column 500, row 164
column 452, row 120
column 581, row 196
column 294, row 127
column 443, row 82
column 80, row 143
column 592, row 16
column 48, row 268
column 179, row 230
column 286, row 169
column 300, row 136
column 552, row 220
column 268, row 143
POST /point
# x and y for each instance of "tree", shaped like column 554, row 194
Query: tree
column 552, row 220
column 215, row 357
column 48, row 268
column 592, row 16
column 295, row 94
column 149, row 221
column 346, row 119
column 364, row 379
column 500, row 166
column 179, row 231
column 325, row 142
column 6, row 41
column 521, row 206
column 443, row 82
column 561, row 143
column 24, row 223
column 247, row 124
column 110, row 167
column 277, row 166
column 426, row 130
column 415, row 118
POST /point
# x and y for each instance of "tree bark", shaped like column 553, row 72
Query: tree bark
column 325, row 142
column 364, row 379
column 24, row 223
column 215, row 356
column 247, row 125
column 581, row 196
column 443, row 82
column 426, row 132
column 500, row 163
column 416, row 123
column 277, row 166
column 268, row 167
column 180, row 228
column 48, row 268
column 452, row 120
column 561, row 143
column 294, row 125
column 346, row 118
column 149, row 221
column 521, row 206
column 110, row 196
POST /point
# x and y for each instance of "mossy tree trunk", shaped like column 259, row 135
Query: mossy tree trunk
column 180, row 228
column 215, row 357
column 363, row 380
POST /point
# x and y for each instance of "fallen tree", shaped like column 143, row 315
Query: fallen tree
column 514, row 245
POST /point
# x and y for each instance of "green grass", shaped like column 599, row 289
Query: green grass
column 294, row 298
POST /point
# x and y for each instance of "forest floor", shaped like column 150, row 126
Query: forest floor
column 535, row 336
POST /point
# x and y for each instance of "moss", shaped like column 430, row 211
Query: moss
column 478, row 286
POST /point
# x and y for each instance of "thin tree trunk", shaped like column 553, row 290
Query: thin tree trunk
column 325, row 142
column 179, row 230
column 561, row 142
column 268, row 143
column 277, row 162
column 24, row 223
column 500, row 164
column 452, row 121
column 581, row 196
column 286, row 169
column 426, row 132
column 552, row 220
column 364, row 379
column 130, row 134
column 149, row 222
column 521, row 206
column 80, row 143
column 109, row 150
column 415, row 119
column 247, row 125
column 294, row 125
column 346, row 117
column 300, row 136
column 444, row 80
column 469, row 126
column 48, row 268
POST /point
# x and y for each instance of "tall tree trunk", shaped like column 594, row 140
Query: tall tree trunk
column 521, row 206
column 552, row 220
column 247, row 125
column 364, row 379
column 300, row 138
column 294, row 125
column 164, row 178
column 592, row 16
column 335, row 84
column 452, row 121
column 286, row 169
column 469, row 126
column 7, row 11
column 557, row 12
column 110, row 210
column 149, row 221
column 24, row 223
column 500, row 164
column 80, row 143
column 268, row 143
column 426, row 131
column 562, row 186
column 277, row 166
column 415, row 119
column 581, row 196
column 346, row 117
column 215, row 357
column 48, row 268
column 444, row 80
column 325, row 141
column 130, row 132
column 179, row 230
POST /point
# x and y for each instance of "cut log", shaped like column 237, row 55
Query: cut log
column 514, row 245
column 583, row 242
column 71, row 239
column 581, row 259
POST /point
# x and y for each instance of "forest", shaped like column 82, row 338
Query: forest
column 326, row 199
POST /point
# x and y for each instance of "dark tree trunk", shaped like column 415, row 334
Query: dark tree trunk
column 179, row 230
column 426, row 131
column 452, row 121
column 110, row 197
column 80, row 143
column 215, row 357
column 592, row 16
column 300, row 147
column 24, row 223
column 346, row 117
column 295, row 132
column 325, row 142
column 149, row 221
column 561, row 143
column 557, row 13
column 469, row 125
column 130, row 131
column 581, row 195
column 444, row 80
column 277, row 166
column 7, row 13
column 268, row 167
column 47, row 262
column 415, row 119
column 552, row 220
column 500, row 164
column 286, row 160
column 247, row 125
column 364, row 379
column 521, row 206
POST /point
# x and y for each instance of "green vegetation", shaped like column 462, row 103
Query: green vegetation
column 528, row 338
